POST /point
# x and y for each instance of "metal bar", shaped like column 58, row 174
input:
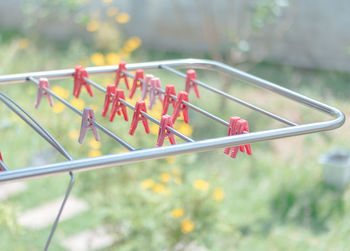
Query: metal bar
column 3, row 166
column 154, row 120
column 226, row 95
column 95, row 123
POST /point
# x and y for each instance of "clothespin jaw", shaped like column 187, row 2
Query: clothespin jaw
column 87, row 122
column 146, row 86
column 154, row 92
column 120, row 74
column 79, row 81
column 169, row 90
column 180, row 107
column 237, row 126
column 137, row 82
column 110, row 92
column 117, row 106
column 191, row 76
column 43, row 83
column 163, row 132
column 140, row 106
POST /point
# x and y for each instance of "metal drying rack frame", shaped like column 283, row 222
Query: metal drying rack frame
column 137, row 155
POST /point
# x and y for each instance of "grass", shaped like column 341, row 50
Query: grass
column 274, row 199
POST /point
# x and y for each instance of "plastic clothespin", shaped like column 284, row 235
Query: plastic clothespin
column 164, row 132
column 145, row 87
column 237, row 126
column 140, row 106
column 169, row 90
column 2, row 161
column 117, row 106
column 179, row 106
column 121, row 74
column 79, row 81
column 137, row 82
column 153, row 93
column 43, row 83
column 191, row 75
column 88, row 116
column 108, row 99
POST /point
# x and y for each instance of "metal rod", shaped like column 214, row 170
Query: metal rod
column 226, row 95
column 95, row 123
column 154, row 120
column 3, row 166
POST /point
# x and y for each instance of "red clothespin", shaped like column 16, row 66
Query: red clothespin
column 169, row 90
column 238, row 126
column 110, row 92
column 137, row 82
column 88, row 116
column 79, row 81
column 164, row 132
column 191, row 75
column 2, row 161
column 121, row 74
column 154, row 92
column 146, row 86
column 140, row 106
column 43, row 83
column 117, row 106
column 179, row 106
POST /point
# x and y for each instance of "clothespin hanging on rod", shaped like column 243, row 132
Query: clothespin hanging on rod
column 191, row 75
column 140, row 106
column 120, row 74
column 79, row 81
column 169, row 90
column 137, row 82
column 43, row 83
column 154, row 93
column 164, row 132
column 146, row 86
column 110, row 92
column 118, row 106
column 86, row 123
column 237, row 126
column 180, row 107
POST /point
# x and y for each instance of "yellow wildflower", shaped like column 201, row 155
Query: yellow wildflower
column 112, row 11
column 148, row 183
column 92, row 26
column 177, row 212
column 176, row 171
column 201, row 185
column 184, row 128
column 113, row 58
column 177, row 181
column 218, row 194
column 165, row 177
column 23, row 43
column 78, row 103
column 60, row 91
column 94, row 153
column 154, row 129
column 94, row 144
column 187, row 226
column 97, row 59
column 122, row 18
column 170, row 160
column 58, row 107
column 132, row 44
column 158, row 188
column 74, row 134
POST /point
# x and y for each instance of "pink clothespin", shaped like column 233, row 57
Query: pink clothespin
column 169, row 90
column 153, row 93
column 110, row 92
column 191, row 75
column 137, row 82
column 164, row 132
column 179, row 106
column 43, row 83
column 237, row 126
column 118, row 106
column 86, row 123
column 140, row 106
column 79, row 81
column 2, row 161
column 146, row 86
column 121, row 74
